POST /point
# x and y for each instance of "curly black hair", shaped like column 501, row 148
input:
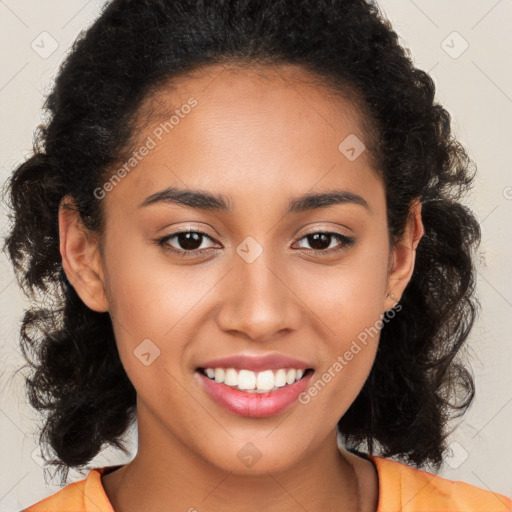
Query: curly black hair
column 419, row 381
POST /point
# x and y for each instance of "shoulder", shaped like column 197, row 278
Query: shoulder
column 402, row 487
column 86, row 495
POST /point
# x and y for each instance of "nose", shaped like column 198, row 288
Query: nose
column 259, row 300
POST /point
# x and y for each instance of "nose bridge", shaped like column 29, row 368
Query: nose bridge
column 259, row 302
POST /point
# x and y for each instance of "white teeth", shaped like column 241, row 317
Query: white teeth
column 230, row 378
column 219, row 374
column 261, row 382
column 245, row 379
column 265, row 380
column 290, row 376
column 280, row 378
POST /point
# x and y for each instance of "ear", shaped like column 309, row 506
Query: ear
column 403, row 256
column 81, row 259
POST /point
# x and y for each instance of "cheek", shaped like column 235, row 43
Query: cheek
column 348, row 297
column 149, row 292
column 348, row 301
column 154, row 300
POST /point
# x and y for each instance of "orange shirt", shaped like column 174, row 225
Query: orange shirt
column 401, row 488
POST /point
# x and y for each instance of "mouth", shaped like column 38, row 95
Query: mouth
column 269, row 400
column 262, row 382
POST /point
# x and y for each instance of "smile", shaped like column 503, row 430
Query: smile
column 255, row 382
column 252, row 394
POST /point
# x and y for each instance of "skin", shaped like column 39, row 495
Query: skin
column 259, row 140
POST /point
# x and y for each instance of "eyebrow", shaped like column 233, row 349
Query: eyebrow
column 203, row 200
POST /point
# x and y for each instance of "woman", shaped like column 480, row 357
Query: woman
column 249, row 216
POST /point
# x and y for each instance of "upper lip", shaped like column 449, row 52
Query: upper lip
column 256, row 363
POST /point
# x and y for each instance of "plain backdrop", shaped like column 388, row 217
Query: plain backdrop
column 465, row 46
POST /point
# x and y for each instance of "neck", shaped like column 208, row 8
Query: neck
column 165, row 470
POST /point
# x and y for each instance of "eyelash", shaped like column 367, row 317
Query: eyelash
column 345, row 240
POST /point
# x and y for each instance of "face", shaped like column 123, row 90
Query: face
column 255, row 276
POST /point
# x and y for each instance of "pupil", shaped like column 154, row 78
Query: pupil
column 190, row 241
column 315, row 237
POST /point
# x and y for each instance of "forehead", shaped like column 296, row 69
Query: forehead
column 290, row 91
column 267, row 129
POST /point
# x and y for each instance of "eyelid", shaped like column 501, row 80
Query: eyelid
column 325, row 229
column 172, row 229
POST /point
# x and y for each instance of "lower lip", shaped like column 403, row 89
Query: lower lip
column 254, row 405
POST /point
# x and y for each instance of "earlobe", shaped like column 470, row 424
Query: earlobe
column 403, row 256
column 81, row 257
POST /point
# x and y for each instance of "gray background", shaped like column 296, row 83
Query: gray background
column 473, row 83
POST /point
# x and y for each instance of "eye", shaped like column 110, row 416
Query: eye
column 189, row 242
column 320, row 241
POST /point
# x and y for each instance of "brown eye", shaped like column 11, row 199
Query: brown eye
column 184, row 242
column 189, row 241
column 321, row 241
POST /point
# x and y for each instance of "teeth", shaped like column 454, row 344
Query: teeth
column 280, row 378
column 230, row 377
column 219, row 374
column 261, row 382
column 244, row 379
column 264, row 380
